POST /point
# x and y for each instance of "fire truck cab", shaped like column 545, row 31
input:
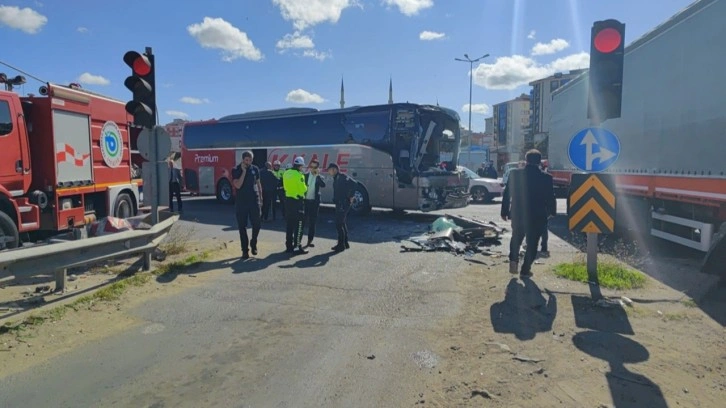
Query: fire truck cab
column 64, row 161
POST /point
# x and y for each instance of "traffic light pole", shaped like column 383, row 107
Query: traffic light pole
column 592, row 249
column 154, row 176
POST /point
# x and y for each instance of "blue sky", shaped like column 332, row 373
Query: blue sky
column 221, row 57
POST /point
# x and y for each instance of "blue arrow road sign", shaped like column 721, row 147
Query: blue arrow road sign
column 594, row 149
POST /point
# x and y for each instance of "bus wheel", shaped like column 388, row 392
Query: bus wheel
column 124, row 207
column 361, row 205
column 224, row 192
column 9, row 236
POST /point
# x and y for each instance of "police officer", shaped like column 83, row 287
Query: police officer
column 246, row 180
column 293, row 181
column 278, row 172
column 343, row 196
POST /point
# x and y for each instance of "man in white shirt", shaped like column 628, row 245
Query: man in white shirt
column 312, row 199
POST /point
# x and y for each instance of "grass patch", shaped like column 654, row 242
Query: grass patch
column 177, row 241
column 689, row 303
column 176, row 267
column 611, row 275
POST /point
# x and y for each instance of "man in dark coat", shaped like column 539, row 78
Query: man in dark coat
column 529, row 201
column 312, row 199
column 343, row 196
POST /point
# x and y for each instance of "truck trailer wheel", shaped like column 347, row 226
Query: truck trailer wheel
column 123, row 207
column 9, row 236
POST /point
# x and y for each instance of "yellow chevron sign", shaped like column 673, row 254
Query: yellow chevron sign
column 591, row 203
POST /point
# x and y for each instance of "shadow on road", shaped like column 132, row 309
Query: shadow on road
column 237, row 264
column 314, row 261
column 524, row 311
column 604, row 340
column 674, row 265
column 379, row 226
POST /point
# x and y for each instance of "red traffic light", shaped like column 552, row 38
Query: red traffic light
column 607, row 40
column 139, row 63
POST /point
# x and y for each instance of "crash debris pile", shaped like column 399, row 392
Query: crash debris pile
column 456, row 234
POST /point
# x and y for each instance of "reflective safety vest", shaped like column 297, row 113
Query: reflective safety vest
column 293, row 181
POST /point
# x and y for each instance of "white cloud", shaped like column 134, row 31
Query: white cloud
column 430, row 35
column 303, row 96
column 517, row 70
column 308, row 13
column 25, row 19
column 480, row 108
column 90, row 79
column 82, row 30
column 532, row 35
column 295, row 40
column 554, row 46
column 216, row 33
column 193, row 101
column 410, row 7
column 177, row 114
column 318, row 55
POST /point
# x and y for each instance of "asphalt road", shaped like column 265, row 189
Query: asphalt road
column 314, row 330
column 311, row 330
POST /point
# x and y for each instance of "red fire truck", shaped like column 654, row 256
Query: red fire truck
column 65, row 160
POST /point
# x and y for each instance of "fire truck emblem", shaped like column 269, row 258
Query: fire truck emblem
column 111, row 144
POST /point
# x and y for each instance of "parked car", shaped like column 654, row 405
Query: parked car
column 482, row 190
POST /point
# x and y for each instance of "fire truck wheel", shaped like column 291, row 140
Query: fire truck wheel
column 9, row 236
column 224, row 192
column 124, row 207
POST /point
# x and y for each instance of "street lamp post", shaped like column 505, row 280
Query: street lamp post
column 471, row 85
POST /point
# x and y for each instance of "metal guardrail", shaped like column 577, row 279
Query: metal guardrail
column 59, row 257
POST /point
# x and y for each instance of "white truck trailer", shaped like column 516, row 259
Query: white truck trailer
column 671, row 172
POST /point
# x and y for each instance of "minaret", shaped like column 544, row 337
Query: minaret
column 390, row 91
column 342, row 94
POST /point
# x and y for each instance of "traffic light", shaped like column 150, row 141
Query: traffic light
column 143, row 85
column 607, row 46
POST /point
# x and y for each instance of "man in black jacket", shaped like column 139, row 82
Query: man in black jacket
column 529, row 201
column 343, row 190
column 246, row 180
column 312, row 199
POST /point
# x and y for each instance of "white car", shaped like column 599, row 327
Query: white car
column 482, row 189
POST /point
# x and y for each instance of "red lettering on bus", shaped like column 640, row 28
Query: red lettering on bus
column 343, row 161
column 325, row 161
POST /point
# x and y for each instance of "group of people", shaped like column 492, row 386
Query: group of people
column 298, row 191
column 529, row 202
column 487, row 170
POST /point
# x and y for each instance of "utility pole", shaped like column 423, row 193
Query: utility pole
column 471, row 86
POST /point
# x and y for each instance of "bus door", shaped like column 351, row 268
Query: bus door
column 405, row 182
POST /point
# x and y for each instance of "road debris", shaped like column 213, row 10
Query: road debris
column 482, row 393
column 457, row 234
column 526, row 359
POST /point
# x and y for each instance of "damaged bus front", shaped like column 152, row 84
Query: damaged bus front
column 427, row 140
